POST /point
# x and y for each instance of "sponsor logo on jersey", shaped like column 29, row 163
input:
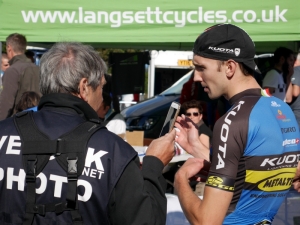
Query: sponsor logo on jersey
column 264, row 222
column 279, row 182
column 290, row 142
column 275, row 104
column 271, row 180
column 288, row 130
column 281, row 116
column 215, row 181
column 286, row 159
column 225, row 133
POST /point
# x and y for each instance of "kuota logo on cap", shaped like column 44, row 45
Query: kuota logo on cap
column 222, row 50
column 237, row 51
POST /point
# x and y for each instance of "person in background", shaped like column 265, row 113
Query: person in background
column 277, row 79
column 105, row 106
column 112, row 119
column 293, row 92
column 29, row 101
column 194, row 111
column 4, row 63
column 30, row 55
column 244, row 182
column 4, row 66
column 21, row 76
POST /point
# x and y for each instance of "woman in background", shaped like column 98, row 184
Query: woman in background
column 29, row 101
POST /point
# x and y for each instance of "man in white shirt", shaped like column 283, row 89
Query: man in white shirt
column 276, row 79
column 114, row 121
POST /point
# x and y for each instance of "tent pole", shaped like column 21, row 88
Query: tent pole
column 151, row 74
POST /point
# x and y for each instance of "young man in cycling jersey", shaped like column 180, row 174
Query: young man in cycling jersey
column 255, row 144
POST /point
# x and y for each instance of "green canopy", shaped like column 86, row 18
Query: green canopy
column 168, row 24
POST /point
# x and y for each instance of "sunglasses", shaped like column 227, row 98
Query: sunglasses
column 194, row 114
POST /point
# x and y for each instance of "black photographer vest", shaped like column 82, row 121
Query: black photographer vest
column 61, row 171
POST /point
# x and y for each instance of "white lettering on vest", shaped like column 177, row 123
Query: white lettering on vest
column 2, row 140
column 88, row 190
column 14, row 141
column 59, row 180
column 92, row 172
column 20, row 179
column 1, row 174
column 43, row 185
column 91, row 157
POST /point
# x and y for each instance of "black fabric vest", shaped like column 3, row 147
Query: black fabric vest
column 107, row 155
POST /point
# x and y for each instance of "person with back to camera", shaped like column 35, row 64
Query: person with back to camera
column 29, row 101
column 277, row 79
column 254, row 161
column 21, row 76
column 111, row 189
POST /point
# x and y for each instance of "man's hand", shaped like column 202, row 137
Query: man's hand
column 193, row 168
column 296, row 182
column 296, row 185
column 163, row 147
column 188, row 138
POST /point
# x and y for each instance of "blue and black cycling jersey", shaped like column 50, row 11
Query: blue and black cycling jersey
column 255, row 155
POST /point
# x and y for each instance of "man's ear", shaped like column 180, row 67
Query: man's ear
column 106, row 108
column 201, row 115
column 230, row 68
column 83, row 89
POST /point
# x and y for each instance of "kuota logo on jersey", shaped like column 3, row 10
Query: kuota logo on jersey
column 290, row 142
column 225, row 134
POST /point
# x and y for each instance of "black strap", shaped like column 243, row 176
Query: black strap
column 37, row 149
column 76, row 143
column 30, row 181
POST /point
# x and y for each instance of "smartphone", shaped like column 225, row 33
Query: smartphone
column 171, row 118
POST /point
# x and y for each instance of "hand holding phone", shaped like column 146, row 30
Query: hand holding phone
column 170, row 119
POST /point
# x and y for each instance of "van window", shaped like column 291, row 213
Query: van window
column 177, row 86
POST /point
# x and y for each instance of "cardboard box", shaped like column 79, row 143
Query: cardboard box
column 135, row 138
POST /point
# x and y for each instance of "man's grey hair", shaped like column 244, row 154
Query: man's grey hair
column 17, row 42
column 66, row 63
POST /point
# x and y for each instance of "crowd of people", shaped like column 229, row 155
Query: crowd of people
column 63, row 158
